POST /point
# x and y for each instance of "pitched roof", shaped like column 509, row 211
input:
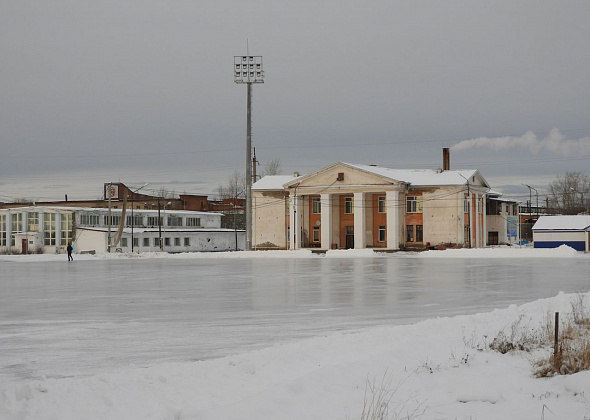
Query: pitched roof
column 579, row 222
column 273, row 182
column 420, row 177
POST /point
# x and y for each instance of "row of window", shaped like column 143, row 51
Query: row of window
column 176, row 221
column 413, row 204
column 156, row 242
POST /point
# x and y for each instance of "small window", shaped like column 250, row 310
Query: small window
column 348, row 205
column 466, row 204
column 156, row 241
column 124, row 242
column 410, row 233
column 135, row 242
column 316, row 205
column 176, row 241
column 316, row 234
column 419, row 233
column 187, row 241
column 413, row 204
column 146, row 242
column 166, row 241
column 381, row 204
column 381, row 233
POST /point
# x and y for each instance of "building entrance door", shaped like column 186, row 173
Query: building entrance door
column 24, row 246
column 349, row 235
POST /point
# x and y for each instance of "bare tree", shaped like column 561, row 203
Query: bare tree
column 570, row 194
column 273, row 167
column 233, row 191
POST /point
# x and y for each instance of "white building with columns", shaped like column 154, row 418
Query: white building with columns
column 356, row 206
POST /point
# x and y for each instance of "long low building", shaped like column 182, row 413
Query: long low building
column 554, row 231
column 45, row 229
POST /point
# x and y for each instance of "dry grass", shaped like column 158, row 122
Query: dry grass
column 573, row 353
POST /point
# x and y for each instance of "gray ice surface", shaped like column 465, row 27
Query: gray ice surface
column 62, row 319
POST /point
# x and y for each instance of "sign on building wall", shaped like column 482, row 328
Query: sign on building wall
column 112, row 191
column 512, row 226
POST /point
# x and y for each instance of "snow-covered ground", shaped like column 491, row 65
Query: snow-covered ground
column 439, row 368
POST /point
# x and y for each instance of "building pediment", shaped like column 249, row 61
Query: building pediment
column 343, row 177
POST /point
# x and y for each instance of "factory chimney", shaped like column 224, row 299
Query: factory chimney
column 446, row 159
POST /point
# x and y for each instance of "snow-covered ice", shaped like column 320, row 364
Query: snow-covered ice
column 438, row 368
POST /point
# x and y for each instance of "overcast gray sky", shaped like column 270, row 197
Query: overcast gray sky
column 143, row 91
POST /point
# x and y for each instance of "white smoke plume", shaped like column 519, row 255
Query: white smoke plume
column 555, row 143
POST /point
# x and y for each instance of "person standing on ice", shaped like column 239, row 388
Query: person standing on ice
column 69, row 248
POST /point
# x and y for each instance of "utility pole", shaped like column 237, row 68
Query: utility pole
column 160, row 227
column 248, row 70
column 109, row 218
column 468, row 213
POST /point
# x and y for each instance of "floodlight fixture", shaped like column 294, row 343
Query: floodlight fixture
column 248, row 70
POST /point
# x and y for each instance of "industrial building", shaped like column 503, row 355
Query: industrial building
column 47, row 229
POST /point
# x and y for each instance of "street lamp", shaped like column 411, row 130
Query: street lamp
column 248, row 70
column 531, row 200
column 133, row 220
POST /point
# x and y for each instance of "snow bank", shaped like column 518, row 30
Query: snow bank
column 563, row 251
column 439, row 368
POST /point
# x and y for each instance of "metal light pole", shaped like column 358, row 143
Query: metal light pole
column 132, row 220
column 248, row 70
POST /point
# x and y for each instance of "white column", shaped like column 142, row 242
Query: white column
column 392, row 206
column 295, row 221
column 360, row 221
column 8, row 229
column 326, row 226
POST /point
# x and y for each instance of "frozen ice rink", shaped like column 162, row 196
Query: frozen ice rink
column 61, row 319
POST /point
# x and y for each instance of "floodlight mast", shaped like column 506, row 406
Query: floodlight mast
column 248, row 70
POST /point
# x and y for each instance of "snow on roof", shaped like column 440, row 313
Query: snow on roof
column 580, row 222
column 167, row 211
column 273, row 182
column 418, row 177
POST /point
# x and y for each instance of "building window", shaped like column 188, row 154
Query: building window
column 479, row 205
column 419, row 233
column 124, row 242
column 174, row 220
column 136, row 242
column 348, row 205
column 381, row 204
column 193, row 221
column 135, row 221
column 49, row 228
column 153, row 221
column 89, row 220
column 410, row 233
column 17, row 222
column 381, row 233
column 187, row 241
column 66, row 229
column 316, row 234
column 2, row 230
column 157, row 242
column 466, row 204
column 166, row 241
column 146, row 242
column 414, row 204
column 33, row 221
column 115, row 220
column 316, row 205
column 176, row 241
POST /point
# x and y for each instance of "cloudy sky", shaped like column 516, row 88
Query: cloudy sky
column 142, row 91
